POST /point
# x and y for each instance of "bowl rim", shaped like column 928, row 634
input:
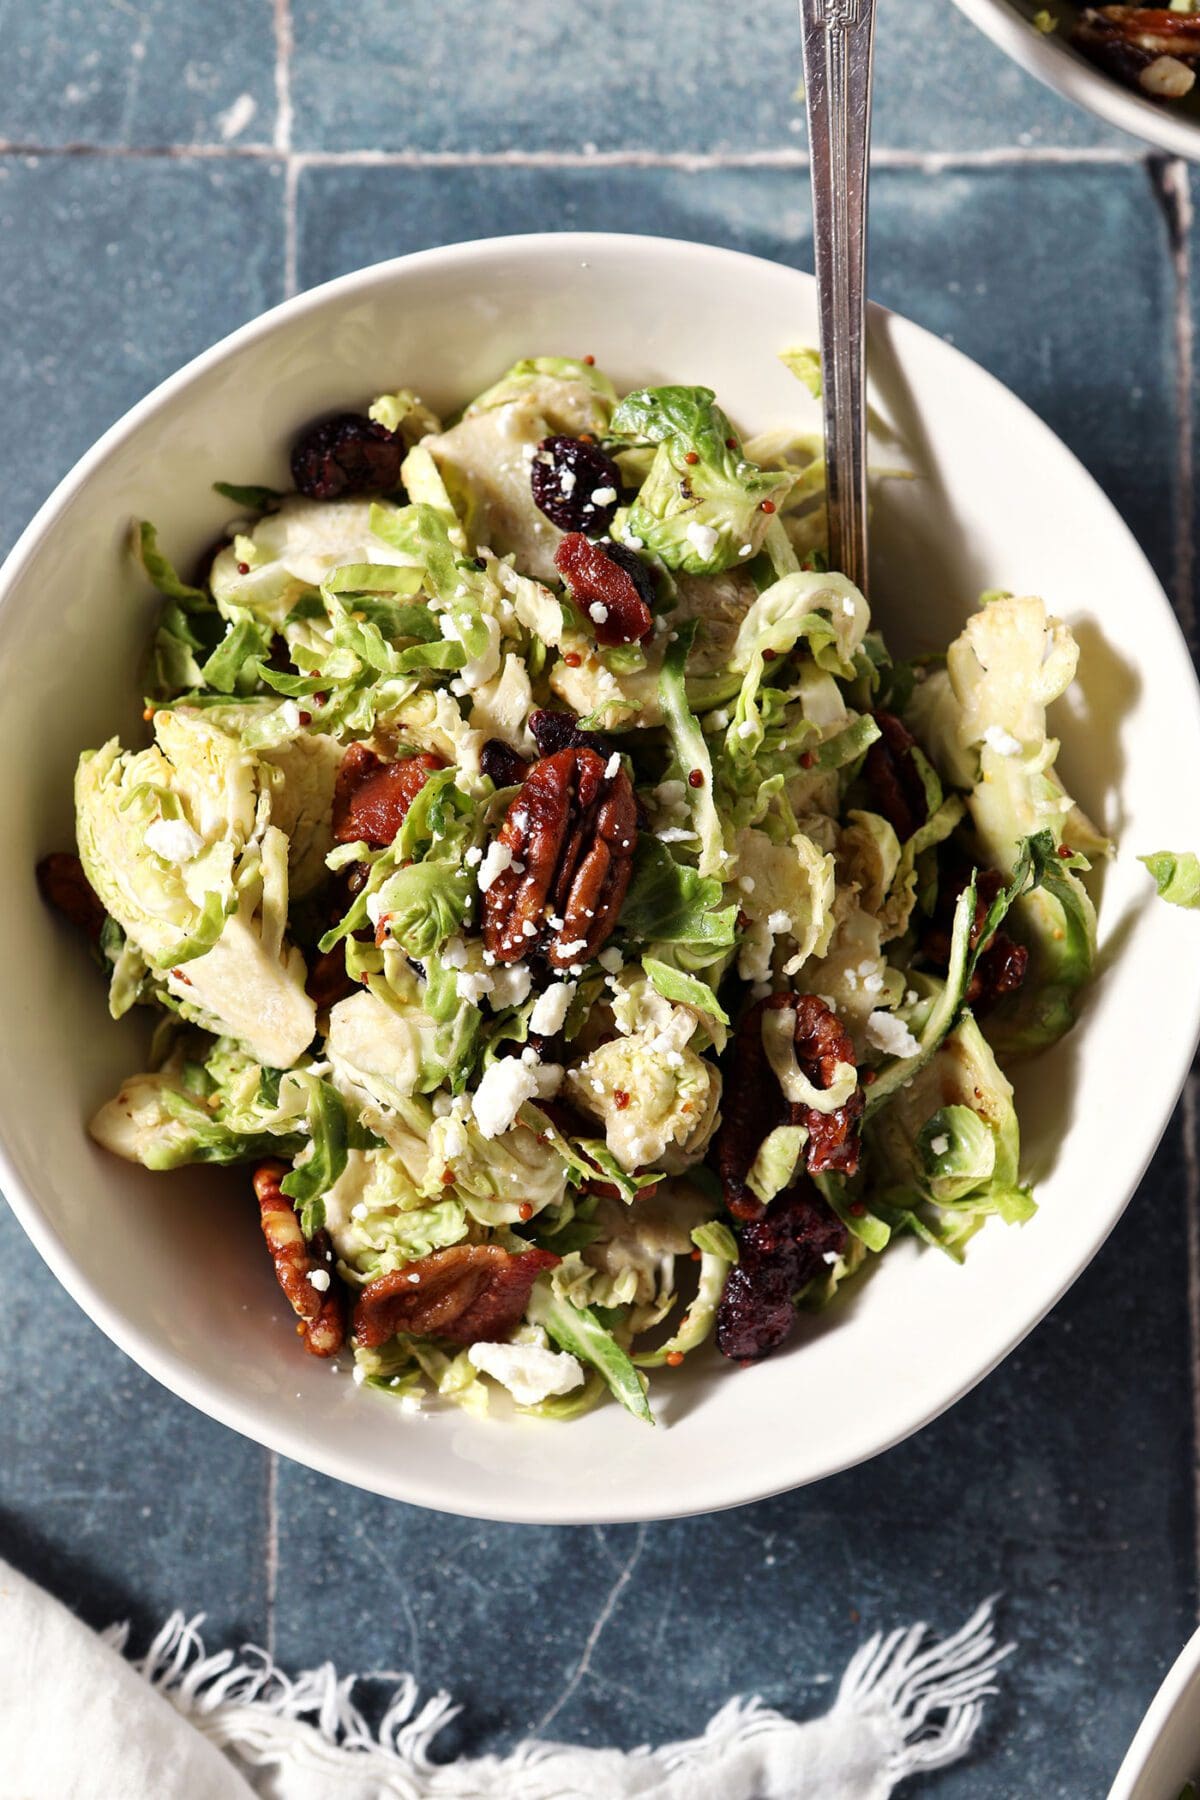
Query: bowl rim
column 1183, row 1675
column 275, row 1431
column 1053, row 62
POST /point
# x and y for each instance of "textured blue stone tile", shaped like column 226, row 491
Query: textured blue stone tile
column 115, row 273
column 1061, row 1483
column 157, row 73
column 650, row 74
column 116, row 1496
column 967, row 254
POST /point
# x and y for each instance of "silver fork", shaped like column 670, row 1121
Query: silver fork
column 838, row 45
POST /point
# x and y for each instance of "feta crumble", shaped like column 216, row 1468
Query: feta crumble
column 499, row 858
column 940, row 1144
column 530, row 1372
column 550, row 1009
column 703, row 538
column 173, row 840
column 891, row 1035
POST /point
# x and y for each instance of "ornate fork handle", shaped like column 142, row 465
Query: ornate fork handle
column 838, row 45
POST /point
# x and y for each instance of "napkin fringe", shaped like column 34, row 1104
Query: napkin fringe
column 924, row 1700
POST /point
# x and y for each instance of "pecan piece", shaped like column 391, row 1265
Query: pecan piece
column 604, row 590
column 467, row 1293
column 319, row 1307
column 372, row 797
column 754, row 1104
column 778, row 1254
column 64, row 886
column 570, row 832
column 893, row 777
column 1002, row 967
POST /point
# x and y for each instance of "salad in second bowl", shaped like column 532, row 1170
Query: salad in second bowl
column 542, row 875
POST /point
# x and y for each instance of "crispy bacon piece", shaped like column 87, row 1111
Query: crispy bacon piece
column 897, row 790
column 571, row 831
column 64, row 886
column 778, row 1254
column 321, row 1311
column 1002, row 967
column 467, row 1293
column 371, row 797
column 599, row 580
column 754, row 1105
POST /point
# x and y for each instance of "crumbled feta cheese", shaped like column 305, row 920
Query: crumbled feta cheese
column 1001, row 741
column 612, row 960
column 502, row 1092
column 597, row 612
column 675, row 834
column 632, row 539
column 779, row 921
column 510, row 985
column 454, row 953
column 173, row 840
column 830, row 1257
column 702, row 538
column 319, row 1278
column 891, row 1035
column 473, row 986
column 528, row 928
column 566, row 482
column 550, row 1008
column 573, row 948
column 612, row 767
column 911, row 997
column 530, row 1373
column 746, row 550
column 455, row 1141
column 603, row 496
column 499, row 858
column 940, row 1144
column 872, row 984
column 359, row 1210
column 474, row 857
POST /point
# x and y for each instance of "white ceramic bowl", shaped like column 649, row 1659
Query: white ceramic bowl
column 1055, row 61
column 172, row 1267
column 1166, row 1751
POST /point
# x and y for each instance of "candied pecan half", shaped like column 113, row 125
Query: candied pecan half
column 319, row 1307
column 897, row 790
column 64, row 886
column 604, row 590
column 372, row 797
column 345, row 456
column 504, row 765
column 753, row 1103
column 1002, row 967
column 778, row 1254
column 467, row 1293
column 571, row 832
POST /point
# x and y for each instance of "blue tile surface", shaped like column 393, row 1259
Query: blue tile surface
column 155, row 73
column 1066, row 1481
column 644, row 74
column 118, row 254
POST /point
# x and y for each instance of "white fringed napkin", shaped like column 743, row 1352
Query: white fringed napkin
column 79, row 1722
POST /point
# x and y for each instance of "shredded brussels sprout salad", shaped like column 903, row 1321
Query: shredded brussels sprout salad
column 544, row 878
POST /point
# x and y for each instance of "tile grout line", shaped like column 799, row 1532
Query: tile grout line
column 929, row 162
column 272, row 1550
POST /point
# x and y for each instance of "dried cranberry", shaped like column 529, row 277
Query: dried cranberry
column 1003, row 964
column 778, row 1255
column 554, row 731
column 502, row 763
column 345, row 456
column 565, row 476
column 604, row 590
column 893, row 777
